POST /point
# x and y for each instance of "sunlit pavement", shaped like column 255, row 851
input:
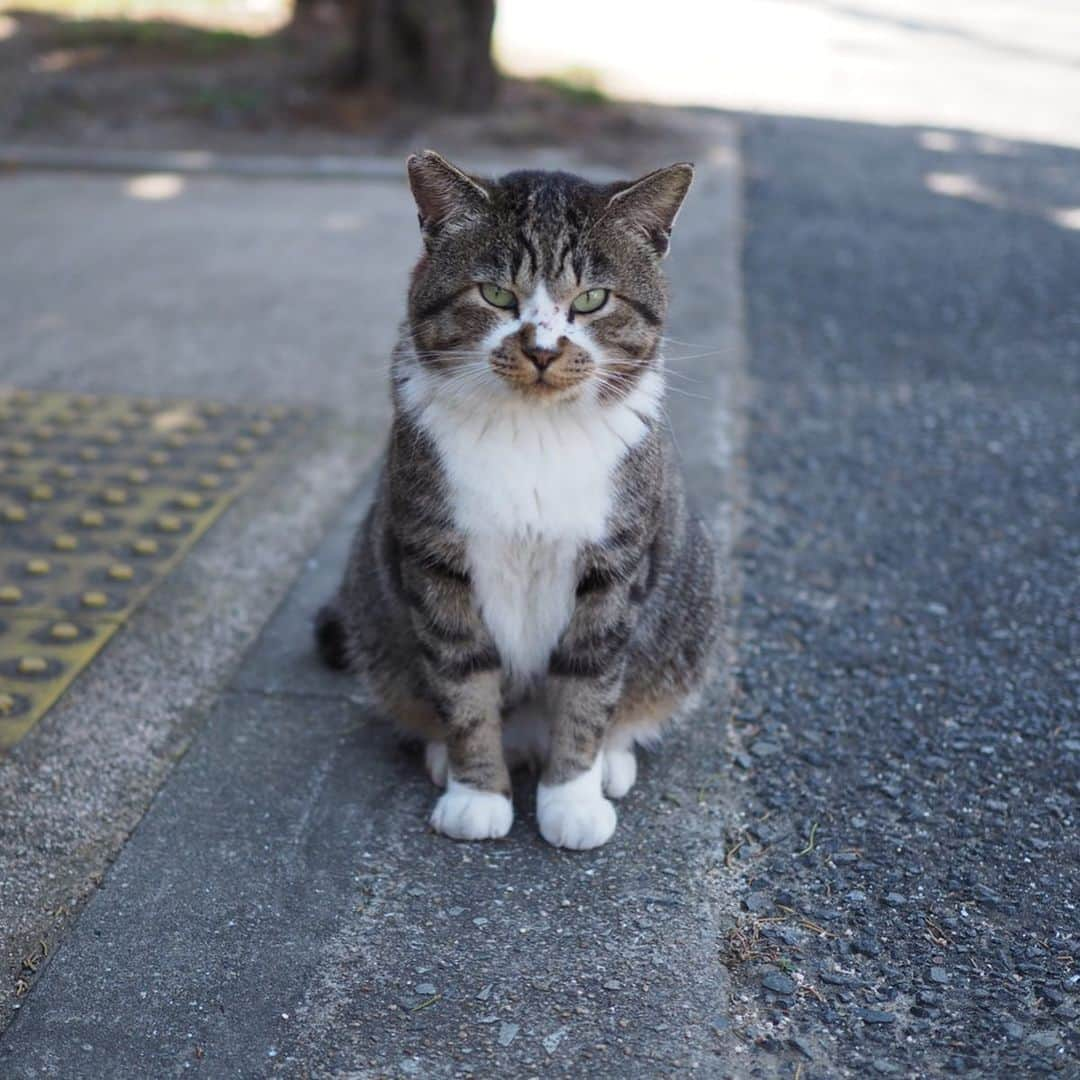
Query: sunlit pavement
column 1003, row 67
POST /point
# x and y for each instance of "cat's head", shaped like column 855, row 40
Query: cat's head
column 540, row 282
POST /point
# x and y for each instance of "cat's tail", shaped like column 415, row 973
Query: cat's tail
column 330, row 636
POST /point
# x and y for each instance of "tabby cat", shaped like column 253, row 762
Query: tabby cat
column 529, row 585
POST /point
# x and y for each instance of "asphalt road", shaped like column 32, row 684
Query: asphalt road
column 909, row 641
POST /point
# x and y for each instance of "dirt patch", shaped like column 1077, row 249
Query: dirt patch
column 161, row 85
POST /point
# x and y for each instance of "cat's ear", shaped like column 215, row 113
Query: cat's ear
column 652, row 203
column 445, row 196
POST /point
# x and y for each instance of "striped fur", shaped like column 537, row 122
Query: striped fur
column 529, row 579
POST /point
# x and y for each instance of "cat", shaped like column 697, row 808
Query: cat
column 529, row 584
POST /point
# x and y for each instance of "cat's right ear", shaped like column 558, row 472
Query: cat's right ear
column 446, row 198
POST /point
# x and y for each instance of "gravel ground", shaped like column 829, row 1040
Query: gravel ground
column 908, row 637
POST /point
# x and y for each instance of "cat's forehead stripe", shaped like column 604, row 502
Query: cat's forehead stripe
column 550, row 213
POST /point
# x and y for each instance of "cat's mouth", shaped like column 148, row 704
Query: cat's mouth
column 561, row 378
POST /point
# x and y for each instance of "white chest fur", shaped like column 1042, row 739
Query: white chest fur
column 529, row 486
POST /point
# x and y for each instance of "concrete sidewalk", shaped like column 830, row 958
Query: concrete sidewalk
column 282, row 907
column 209, row 288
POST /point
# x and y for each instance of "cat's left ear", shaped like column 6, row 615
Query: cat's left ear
column 445, row 196
column 652, row 203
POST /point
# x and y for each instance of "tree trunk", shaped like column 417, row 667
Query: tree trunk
column 434, row 52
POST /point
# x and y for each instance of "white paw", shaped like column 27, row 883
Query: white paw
column 436, row 762
column 577, row 824
column 576, row 814
column 468, row 814
column 620, row 772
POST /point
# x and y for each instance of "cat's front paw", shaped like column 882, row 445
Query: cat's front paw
column 465, row 813
column 573, row 817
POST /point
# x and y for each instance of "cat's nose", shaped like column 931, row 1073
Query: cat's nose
column 542, row 356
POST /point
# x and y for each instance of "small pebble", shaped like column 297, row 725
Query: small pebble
column 779, row 983
column 425, row 989
column 875, row 1016
column 551, row 1042
column 507, row 1033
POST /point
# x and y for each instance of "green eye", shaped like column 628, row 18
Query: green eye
column 590, row 300
column 497, row 296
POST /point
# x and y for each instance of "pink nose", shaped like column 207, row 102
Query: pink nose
column 542, row 357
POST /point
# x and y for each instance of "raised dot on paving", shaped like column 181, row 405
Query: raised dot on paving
column 7, row 704
column 20, row 449
column 110, row 438
column 114, row 496
column 44, row 431
column 38, row 567
column 64, row 631
column 209, row 480
column 177, row 440
column 144, row 545
column 158, row 457
column 244, row 445
column 41, row 493
column 94, row 599
column 14, row 514
column 89, row 453
column 92, row 519
column 65, row 542
column 169, row 523
column 261, row 427
column 33, row 665
column 65, row 472
column 10, row 594
column 228, row 461
column 190, row 500
column 121, row 572
column 138, row 476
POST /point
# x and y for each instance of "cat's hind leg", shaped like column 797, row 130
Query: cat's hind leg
column 436, row 761
column 620, row 764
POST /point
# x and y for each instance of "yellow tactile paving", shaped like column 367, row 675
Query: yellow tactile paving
column 100, row 498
